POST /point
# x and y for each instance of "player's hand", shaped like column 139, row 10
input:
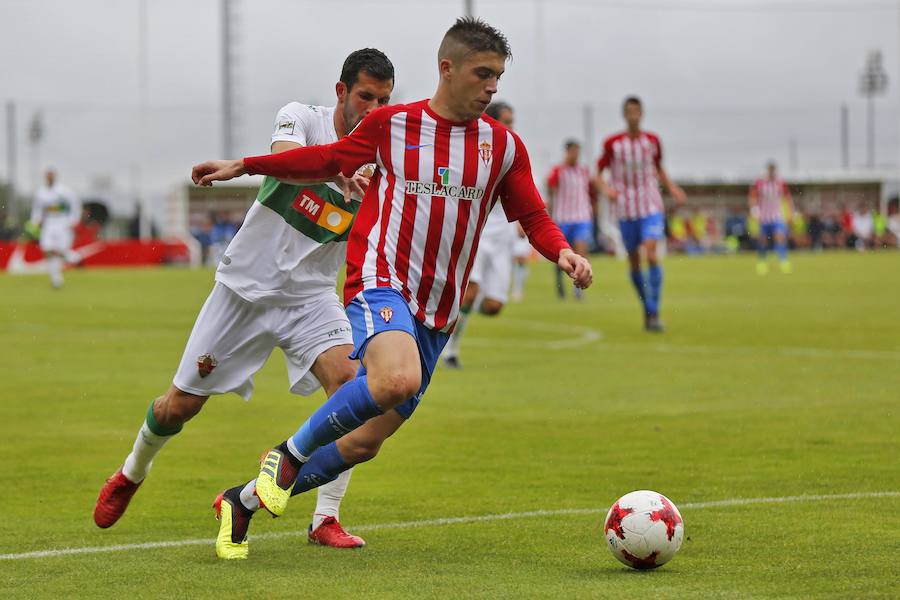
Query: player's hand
column 612, row 194
column 217, row 170
column 358, row 184
column 577, row 267
column 678, row 195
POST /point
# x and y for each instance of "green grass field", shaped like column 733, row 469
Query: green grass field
column 761, row 388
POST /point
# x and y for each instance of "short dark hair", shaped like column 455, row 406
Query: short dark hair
column 369, row 60
column 632, row 100
column 571, row 142
column 494, row 109
column 474, row 35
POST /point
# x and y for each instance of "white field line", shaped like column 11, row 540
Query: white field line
column 447, row 521
column 577, row 336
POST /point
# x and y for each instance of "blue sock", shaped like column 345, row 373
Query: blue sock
column 324, row 466
column 349, row 407
column 781, row 249
column 637, row 278
column 655, row 279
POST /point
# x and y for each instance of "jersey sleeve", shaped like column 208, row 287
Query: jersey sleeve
column 605, row 156
column 318, row 162
column 291, row 124
column 76, row 207
column 553, row 178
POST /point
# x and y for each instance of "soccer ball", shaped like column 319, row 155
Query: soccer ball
column 643, row 529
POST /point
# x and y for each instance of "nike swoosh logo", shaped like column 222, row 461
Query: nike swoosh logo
column 384, row 279
column 413, row 146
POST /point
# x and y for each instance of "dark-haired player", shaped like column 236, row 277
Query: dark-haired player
column 275, row 287
column 634, row 160
column 440, row 168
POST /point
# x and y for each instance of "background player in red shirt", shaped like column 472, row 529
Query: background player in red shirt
column 440, row 168
column 572, row 204
column 634, row 159
column 765, row 201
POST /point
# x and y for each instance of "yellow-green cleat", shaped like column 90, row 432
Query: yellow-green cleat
column 785, row 267
column 275, row 470
column 762, row 268
column 234, row 521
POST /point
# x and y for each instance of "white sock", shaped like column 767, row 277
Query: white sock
column 248, row 498
column 452, row 347
column 146, row 446
column 328, row 498
column 55, row 267
column 520, row 274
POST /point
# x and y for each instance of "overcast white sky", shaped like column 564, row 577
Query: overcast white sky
column 726, row 83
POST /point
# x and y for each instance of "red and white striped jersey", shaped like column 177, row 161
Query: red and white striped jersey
column 769, row 194
column 633, row 163
column 572, row 201
column 435, row 183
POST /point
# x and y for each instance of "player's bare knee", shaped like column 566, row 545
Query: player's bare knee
column 491, row 307
column 361, row 451
column 390, row 389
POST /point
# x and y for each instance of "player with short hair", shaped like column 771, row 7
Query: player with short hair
column 765, row 199
column 571, row 202
column 441, row 165
column 488, row 288
column 275, row 287
column 634, row 158
column 56, row 211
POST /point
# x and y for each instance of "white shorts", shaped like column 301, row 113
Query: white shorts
column 232, row 338
column 492, row 270
column 57, row 238
column 522, row 248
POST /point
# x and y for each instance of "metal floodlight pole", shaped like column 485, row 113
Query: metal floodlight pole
column 845, row 137
column 140, row 172
column 872, row 82
column 13, row 207
column 227, row 80
column 469, row 8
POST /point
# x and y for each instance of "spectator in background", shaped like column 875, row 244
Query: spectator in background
column 799, row 230
column 862, row 227
column 221, row 234
column 893, row 220
column 816, row 230
column 134, row 224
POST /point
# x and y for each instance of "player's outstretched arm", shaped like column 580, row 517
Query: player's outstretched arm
column 217, row 170
column 674, row 189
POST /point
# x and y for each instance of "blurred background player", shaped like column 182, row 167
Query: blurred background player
column 275, row 287
column 634, row 159
column 488, row 289
column 56, row 210
column 571, row 200
column 769, row 197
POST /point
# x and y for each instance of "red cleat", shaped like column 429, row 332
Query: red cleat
column 330, row 533
column 114, row 497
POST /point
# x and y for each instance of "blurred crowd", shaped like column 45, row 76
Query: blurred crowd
column 694, row 231
column 214, row 230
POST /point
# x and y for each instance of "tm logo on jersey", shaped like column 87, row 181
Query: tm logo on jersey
column 444, row 189
column 323, row 214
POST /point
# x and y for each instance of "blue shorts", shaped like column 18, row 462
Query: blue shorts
column 637, row 231
column 382, row 309
column 579, row 231
column 768, row 230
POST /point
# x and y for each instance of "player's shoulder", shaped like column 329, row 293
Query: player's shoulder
column 653, row 137
column 299, row 110
column 615, row 137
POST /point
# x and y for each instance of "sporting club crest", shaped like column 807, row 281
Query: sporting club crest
column 206, row 363
column 485, row 152
column 387, row 313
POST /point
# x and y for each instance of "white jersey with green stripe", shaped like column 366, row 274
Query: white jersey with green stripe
column 294, row 237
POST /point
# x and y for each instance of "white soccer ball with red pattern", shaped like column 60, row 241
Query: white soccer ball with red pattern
column 643, row 529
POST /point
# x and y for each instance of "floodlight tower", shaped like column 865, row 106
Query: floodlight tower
column 228, row 112
column 872, row 82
